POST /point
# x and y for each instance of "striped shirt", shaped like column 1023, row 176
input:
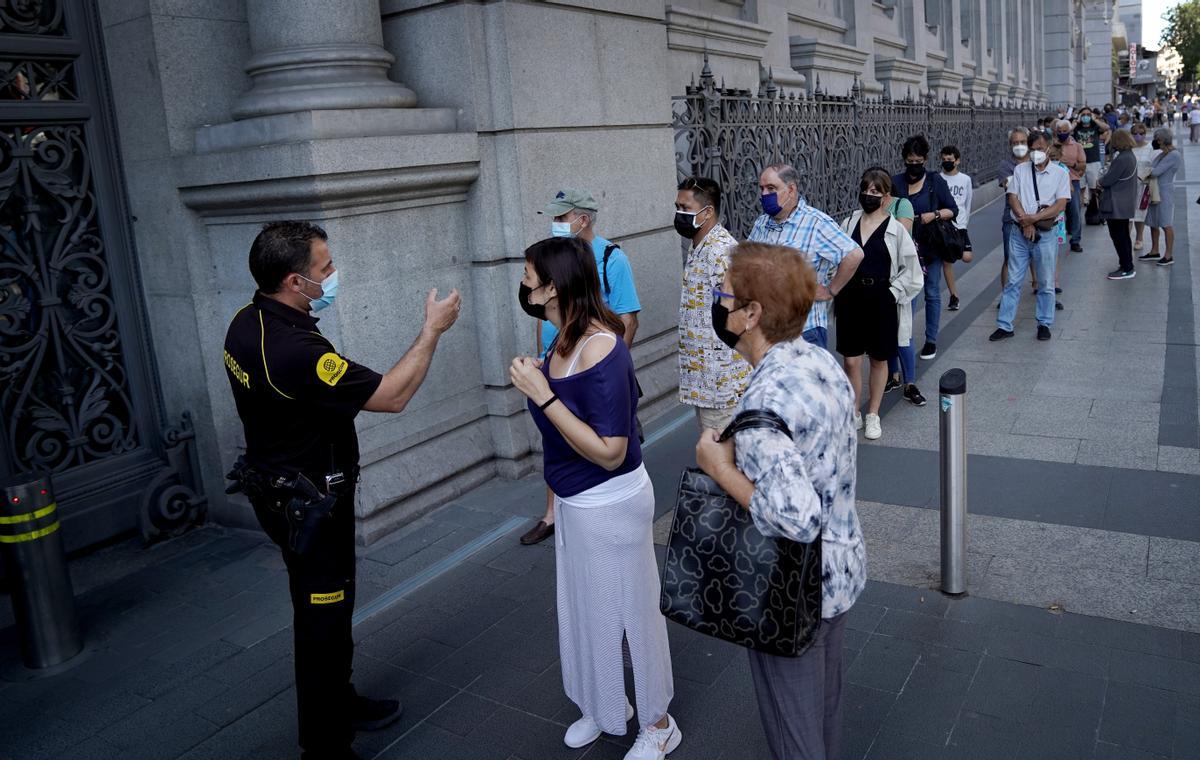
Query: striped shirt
column 811, row 232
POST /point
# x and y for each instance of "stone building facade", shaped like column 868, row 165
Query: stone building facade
column 425, row 134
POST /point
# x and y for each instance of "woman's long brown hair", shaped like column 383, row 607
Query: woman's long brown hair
column 570, row 264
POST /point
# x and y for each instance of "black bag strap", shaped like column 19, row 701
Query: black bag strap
column 604, row 268
column 1037, row 197
column 756, row 418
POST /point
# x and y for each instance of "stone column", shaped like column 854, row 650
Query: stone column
column 315, row 55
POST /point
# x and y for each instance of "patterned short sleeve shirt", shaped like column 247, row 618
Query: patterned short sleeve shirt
column 804, row 487
column 711, row 375
column 812, row 232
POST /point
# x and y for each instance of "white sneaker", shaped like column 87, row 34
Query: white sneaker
column 858, row 423
column 655, row 743
column 585, row 731
column 874, row 429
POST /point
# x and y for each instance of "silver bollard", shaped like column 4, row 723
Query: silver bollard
column 953, row 423
column 36, row 566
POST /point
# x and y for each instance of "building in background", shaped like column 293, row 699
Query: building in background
column 1170, row 69
column 1129, row 13
column 424, row 136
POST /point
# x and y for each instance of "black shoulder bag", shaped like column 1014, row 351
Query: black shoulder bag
column 725, row 579
column 940, row 237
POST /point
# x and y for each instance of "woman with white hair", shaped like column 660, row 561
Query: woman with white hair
column 1161, row 215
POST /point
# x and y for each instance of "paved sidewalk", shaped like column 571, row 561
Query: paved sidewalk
column 1081, row 637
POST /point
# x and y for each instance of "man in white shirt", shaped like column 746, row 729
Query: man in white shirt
column 963, row 191
column 1037, row 193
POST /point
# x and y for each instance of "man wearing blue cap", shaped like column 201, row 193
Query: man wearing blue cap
column 574, row 214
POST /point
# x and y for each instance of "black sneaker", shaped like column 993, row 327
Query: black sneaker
column 374, row 714
column 1000, row 334
column 1043, row 332
column 1149, row 256
column 1076, row 248
column 913, row 396
column 953, row 305
column 1121, row 274
column 1167, row 262
column 1058, row 306
column 929, row 351
column 891, row 385
column 1058, row 291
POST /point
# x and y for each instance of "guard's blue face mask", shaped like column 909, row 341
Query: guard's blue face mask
column 770, row 203
column 329, row 287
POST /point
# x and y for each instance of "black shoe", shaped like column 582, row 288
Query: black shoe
column 1076, row 248
column 953, row 305
column 1167, row 262
column 374, row 714
column 1043, row 332
column 537, row 533
column 1058, row 291
column 891, row 385
column 1149, row 256
column 1122, row 274
column 1000, row 334
column 928, row 351
column 1058, row 306
column 913, row 396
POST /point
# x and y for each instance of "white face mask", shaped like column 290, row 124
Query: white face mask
column 1038, row 157
column 1020, row 151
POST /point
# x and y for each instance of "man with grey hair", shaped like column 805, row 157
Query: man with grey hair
column 788, row 220
column 1018, row 145
column 1075, row 159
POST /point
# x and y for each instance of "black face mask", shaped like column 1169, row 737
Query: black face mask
column 535, row 310
column 914, row 171
column 685, row 224
column 870, row 203
column 947, row 166
column 720, row 320
column 1154, row 144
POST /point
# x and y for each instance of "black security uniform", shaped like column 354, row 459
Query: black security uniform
column 297, row 398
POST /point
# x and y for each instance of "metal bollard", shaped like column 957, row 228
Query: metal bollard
column 953, row 424
column 43, row 602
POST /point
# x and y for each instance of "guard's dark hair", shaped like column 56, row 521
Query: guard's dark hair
column 951, row 150
column 280, row 249
column 876, row 177
column 705, row 190
column 570, row 264
column 916, row 145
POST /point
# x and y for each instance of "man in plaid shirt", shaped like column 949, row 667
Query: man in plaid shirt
column 788, row 220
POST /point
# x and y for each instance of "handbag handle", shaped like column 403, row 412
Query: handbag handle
column 755, row 418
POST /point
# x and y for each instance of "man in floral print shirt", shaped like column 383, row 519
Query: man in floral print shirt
column 712, row 376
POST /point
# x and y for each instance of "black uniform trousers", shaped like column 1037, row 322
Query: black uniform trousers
column 322, row 589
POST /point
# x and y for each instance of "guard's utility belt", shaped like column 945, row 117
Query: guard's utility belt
column 303, row 505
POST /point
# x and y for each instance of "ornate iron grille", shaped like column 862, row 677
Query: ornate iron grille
column 79, row 396
column 729, row 135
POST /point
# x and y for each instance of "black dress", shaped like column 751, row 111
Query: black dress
column 865, row 310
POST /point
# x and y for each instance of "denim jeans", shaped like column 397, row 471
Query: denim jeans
column 818, row 336
column 1044, row 256
column 933, row 300
column 905, row 361
column 1074, row 215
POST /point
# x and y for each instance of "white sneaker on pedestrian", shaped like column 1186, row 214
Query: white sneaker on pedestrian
column 874, row 429
column 858, row 423
column 585, row 731
column 655, row 743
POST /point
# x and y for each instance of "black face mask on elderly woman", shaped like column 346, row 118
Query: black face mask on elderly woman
column 720, row 322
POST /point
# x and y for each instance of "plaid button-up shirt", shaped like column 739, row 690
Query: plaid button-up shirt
column 811, row 232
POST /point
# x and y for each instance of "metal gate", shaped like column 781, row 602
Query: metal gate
column 79, row 393
column 730, row 135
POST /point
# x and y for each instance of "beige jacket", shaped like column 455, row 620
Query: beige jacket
column 907, row 280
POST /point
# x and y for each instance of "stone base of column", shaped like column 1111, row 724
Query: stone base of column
column 900, row 77
column 977, row 89
column 324, row 125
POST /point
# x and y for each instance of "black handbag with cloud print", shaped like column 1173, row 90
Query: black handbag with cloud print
column 723, row 578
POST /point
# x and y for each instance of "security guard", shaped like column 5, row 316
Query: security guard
column 297, row 398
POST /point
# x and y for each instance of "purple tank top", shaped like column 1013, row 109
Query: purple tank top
column 605, row 397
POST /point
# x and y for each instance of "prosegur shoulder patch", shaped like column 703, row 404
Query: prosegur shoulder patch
column 330, row 368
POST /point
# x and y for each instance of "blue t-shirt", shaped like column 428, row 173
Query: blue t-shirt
column 621, row 297
column 604, row 396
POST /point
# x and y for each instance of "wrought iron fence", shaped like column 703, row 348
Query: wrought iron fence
column 729, row 135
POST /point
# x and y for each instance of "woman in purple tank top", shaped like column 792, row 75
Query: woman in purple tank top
column 583, row 398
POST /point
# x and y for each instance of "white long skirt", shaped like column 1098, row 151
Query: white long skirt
column 608, row 589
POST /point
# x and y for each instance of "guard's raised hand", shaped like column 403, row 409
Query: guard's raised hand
column 440, row 315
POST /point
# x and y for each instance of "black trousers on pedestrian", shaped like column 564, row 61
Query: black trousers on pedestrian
column 1118, row 230
column 322, row 589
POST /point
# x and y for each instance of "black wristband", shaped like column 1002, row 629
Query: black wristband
column 548, row 403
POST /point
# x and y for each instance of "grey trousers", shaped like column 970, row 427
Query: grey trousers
column 799, row 698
